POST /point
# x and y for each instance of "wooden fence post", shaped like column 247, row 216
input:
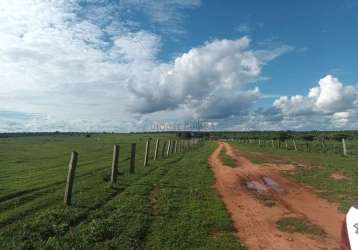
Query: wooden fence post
column 163, row 148
column 168, row 148
column 344, row 147
column 172, row 147
column 133, row 152
column 114, row 172
column 70, row 178
column 156, row 149
column 146, row 153
column 294, row 144
column 175, row 146
column 273, row 144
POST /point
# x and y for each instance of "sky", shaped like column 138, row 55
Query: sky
column 126, row 65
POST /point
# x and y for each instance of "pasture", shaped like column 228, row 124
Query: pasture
column 168, row 204
column 172, row 203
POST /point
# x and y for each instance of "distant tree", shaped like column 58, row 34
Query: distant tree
column 308, row 137
column 283, row 136
column 184, row 135
column 339, row 136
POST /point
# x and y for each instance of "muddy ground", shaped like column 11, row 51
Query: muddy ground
column 257, row 196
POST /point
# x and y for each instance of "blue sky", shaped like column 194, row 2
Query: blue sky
column 124, row 65
column 324, row 34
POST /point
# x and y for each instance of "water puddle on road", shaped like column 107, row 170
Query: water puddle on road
column 273, row 185
column 265, row 185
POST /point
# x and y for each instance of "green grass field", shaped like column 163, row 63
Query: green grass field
column 316, row 171
column 169, row 204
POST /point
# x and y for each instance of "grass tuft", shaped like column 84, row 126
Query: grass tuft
column 226, row 159
column 298, row 225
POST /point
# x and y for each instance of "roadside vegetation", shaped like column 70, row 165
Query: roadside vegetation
column 315, row 169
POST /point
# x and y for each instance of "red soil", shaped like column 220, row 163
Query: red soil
column 255, row 222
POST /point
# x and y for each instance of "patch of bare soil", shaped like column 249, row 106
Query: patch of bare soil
column 340, row 177
column 216, row 235
column 154, row 200
column 243, row 190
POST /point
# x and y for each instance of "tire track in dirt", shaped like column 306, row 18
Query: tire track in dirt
column 256, row 223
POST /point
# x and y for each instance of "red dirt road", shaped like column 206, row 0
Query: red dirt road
column 255, row 222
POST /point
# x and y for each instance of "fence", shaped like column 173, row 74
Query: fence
column 343, row 147
column 169, row 148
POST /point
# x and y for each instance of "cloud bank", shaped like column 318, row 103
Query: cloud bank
column 330, row 105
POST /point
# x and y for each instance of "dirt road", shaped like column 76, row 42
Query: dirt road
column 258, row 196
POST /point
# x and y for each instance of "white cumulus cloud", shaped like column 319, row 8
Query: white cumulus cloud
column 328, row 105
column 214, row 81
